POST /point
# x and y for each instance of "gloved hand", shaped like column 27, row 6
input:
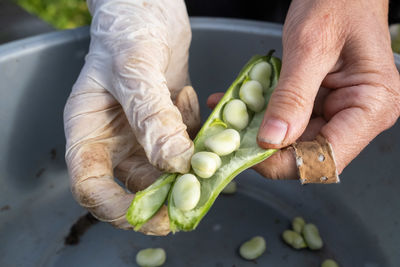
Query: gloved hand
column 121, row 113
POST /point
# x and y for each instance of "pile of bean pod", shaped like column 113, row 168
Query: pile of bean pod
column 236, row 113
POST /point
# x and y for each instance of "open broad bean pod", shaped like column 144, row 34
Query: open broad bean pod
column 225, row 146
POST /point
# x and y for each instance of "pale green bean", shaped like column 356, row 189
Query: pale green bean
column 298, row 224
column 204, row 163
column 224, row 142
column 253, row 248
column 312, row 237
column 235, row 114
column 329, row 263
column 251, row 93
column 293, row 239
column 186, row 192
column 261, row 72
column 151, row 257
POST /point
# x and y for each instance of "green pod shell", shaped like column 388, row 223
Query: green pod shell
column 148, row 201
column 247, row 155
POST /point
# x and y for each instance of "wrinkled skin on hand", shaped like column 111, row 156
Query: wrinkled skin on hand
column 120, row 118
column 338, row 79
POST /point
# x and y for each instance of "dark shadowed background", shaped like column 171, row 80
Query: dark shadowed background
column 22, row 18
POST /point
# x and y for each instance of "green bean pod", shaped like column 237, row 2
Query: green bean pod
column 238, row 153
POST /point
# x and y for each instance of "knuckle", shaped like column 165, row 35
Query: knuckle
column 394, row 96
column 308, row 36
column 84, row 195
column 391, row 112
column 102, row 197
column 377, row 104
column 314, row 36
column 383, row 106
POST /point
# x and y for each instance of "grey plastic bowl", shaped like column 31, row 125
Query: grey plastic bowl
column 358, row 219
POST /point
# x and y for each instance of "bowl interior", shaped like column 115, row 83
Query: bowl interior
column 358, row 219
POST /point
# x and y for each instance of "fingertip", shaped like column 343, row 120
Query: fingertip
column 267, row 145
column 158, row 225
column 188, row 104
column 213, row 100
column 272, row 133
column 177, row 163
column 280, row 166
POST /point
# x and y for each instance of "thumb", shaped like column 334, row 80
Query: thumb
column 188, row 104
column 290, row 106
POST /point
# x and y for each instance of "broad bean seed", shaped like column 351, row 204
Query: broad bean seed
column 261, row 72
column 251, row 93
column 329, row 263
column 204, row 163
column 253, row 248
column 312, row 237
column 298, row 224
column 293, row 239
column 235, row 114
column 186, row 192
column 224, row 142
column 151, row 257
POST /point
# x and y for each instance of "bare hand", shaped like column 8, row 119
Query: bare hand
column 338, row 79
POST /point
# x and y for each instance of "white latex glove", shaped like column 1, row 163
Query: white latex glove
column 120, row 114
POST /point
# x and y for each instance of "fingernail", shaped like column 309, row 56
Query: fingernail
column 273, row 131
